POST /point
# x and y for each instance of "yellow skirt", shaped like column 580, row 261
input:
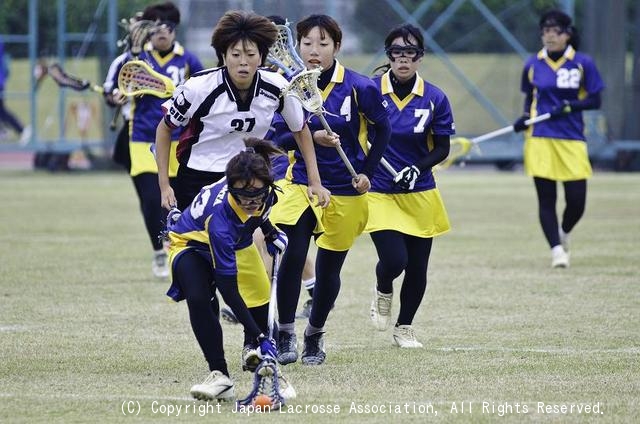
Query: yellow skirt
column 143, row 160
column 556, row 159
column 420, row 214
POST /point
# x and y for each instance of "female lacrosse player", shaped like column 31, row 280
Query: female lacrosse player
column 212, row 249
column 353, row 104
column 564, row 82
column 169, row 58
column 221, row 106
column 406, row 212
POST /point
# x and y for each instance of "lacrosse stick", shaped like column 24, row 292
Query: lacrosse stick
column 139, row 32
column 461, row 146
column 137, row 77
column 283, row 53
column 65, row 80
column 266, row 387
column 304, row 86
column 386, row 165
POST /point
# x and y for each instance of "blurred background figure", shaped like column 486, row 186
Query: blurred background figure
column 7, row 118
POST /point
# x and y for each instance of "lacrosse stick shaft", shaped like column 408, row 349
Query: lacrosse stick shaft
column 271, row 317
column 114, row 121
column 386, row 165
column 343, row 156
column 508, row 129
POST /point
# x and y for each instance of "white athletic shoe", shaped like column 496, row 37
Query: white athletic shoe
column 381, row 310
column 559, row 257
column 160, row 264
column 216, row 386
column 564, row 239
column 405, row 337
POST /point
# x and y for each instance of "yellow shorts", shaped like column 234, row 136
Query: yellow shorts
column 253, row 281
column 420, row 214
column 555, row 159
column 338, row 224
column 292, row 202
column 143, row 160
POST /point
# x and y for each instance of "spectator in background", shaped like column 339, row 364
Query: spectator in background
column 564, row 82
column 7, row 118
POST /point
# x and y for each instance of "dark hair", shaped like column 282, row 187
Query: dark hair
column 166, row 11
column 405, row 31
column 326, row 24
column 555, row 17
column 238, row 25
column 277, row 19
column 252, row 163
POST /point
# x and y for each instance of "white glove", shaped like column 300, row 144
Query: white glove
column 406, row 179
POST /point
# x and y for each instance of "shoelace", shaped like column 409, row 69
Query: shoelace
column 384, row 305
column 212, row 377
column 407, row 333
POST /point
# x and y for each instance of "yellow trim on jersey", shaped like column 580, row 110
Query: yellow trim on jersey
column 420, row 214
column 142, row 160
column 240, row 212
column 556, row 159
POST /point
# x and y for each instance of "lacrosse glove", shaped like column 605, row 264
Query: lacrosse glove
column 276, row 241
column 267, row 348
column 173, row 217
column 406, row 179
column 560, row 110
column 520, row 125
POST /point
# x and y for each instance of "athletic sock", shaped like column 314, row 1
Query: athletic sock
column 311, row 330
column 288, row 328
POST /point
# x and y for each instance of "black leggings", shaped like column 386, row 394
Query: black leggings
column 290, row 272
column 398, row 252
column 194, row 274
column 575, row 195
column 154, row 215
column 325, row 292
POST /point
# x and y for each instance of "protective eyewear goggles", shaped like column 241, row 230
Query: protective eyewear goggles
column 246, row 197
column 411, row 52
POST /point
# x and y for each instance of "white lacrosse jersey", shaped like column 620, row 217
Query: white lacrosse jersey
column 217, row 119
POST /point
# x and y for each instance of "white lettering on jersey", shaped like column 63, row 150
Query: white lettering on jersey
column 423, row 114
column 345, row 109
column 568, row 78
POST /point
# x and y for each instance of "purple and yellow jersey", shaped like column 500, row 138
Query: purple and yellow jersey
column 215, row 225
column 147, row 112
column 352, row 102
column 572, row 77
column 425, row 112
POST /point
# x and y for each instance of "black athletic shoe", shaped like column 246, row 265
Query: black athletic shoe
column 287, row 348
column 313, row 350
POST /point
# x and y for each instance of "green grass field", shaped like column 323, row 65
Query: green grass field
column 86, row 333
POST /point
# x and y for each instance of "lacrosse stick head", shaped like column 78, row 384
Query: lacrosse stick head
column 304, row 86
column 65, row 80
column 266, row 387
column 136, row 77
column 283, row 53
column 459, row 147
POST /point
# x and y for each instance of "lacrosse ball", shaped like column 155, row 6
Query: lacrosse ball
column 262, row 401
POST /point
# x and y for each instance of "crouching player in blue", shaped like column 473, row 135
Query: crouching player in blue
column 211, row 248
column 406, row 212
